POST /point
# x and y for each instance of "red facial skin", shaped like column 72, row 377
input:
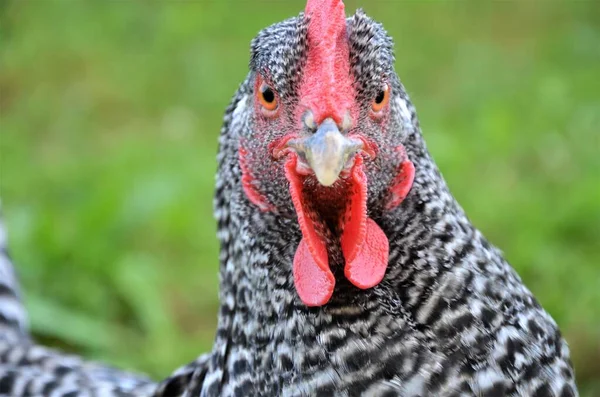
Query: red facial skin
column 251, row 192
column 327, row 91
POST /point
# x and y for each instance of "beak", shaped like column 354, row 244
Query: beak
column 327, row 151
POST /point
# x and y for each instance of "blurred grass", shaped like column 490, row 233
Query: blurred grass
column 109, row 113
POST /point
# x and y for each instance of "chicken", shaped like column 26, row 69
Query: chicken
column 346, row 266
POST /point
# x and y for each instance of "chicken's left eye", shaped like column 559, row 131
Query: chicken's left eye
column 267, row 97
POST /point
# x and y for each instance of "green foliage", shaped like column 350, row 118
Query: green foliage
column 109, row 118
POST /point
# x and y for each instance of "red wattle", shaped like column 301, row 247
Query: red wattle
column 354, row 220
column 314, row 284
column 364, row 245
column 368, row 265
column 312, row 277
column 403, row 181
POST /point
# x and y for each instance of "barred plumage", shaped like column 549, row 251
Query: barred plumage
column 451, row 317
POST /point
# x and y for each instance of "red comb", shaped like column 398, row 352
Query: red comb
column 327, row 85
column 327, row 14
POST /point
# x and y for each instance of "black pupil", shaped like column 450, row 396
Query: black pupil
column 268, row 95
column 379, row 97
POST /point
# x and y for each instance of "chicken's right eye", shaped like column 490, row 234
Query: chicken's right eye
column 267, row 97
column 381, row 99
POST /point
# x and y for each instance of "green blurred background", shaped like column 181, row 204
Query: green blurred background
column 109, row 118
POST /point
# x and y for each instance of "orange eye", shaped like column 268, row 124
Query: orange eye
column 381, row 99
column 267, row 97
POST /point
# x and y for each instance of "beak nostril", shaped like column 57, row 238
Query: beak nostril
column 309, row 121
column 346, row 122
column 343, row 123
